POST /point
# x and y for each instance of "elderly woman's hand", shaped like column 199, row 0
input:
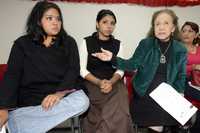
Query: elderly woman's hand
column 105, row 55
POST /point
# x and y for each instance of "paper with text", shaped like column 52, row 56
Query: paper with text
column 173, row 102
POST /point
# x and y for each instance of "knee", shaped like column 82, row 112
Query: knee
column 83, row 102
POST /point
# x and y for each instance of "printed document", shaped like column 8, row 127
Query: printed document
column 173, row 102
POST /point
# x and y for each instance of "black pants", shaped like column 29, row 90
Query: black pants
column 196, row 127
column 167, row 129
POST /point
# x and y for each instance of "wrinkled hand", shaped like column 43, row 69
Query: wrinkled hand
column 105, row 55
column 51, row 100
column 197, row 67
column 106, row 86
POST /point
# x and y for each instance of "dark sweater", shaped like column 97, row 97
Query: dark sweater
column 34, row 71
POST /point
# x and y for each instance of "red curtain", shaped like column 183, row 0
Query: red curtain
column 143, row 2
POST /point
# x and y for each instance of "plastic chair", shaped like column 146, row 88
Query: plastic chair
column 3, row 68
column 76, row 126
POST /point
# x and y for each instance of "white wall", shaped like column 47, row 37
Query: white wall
column 79, row 21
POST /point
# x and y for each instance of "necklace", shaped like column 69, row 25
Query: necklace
column 162, row 56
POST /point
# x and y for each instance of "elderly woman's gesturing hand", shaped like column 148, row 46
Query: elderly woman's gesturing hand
column 105, row 55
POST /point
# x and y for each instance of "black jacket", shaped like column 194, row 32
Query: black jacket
column 34, row 71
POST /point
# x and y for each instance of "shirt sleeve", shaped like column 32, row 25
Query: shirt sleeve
column 133, row 63
column 73, row 71
column 84, row 58
column 189, row 69
column 120, row 54
column 12, row 77
column 179, row 82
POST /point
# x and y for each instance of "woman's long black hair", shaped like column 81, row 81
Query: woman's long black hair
column 194, row 27
column 33, row 25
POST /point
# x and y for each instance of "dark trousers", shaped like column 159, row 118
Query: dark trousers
column 196, row 127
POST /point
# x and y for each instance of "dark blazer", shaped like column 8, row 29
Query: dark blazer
column 146, row 60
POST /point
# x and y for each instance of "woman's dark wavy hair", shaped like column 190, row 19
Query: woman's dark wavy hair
column 105, row 12
column 176, row 34
column 195, row 28
column 33, row 25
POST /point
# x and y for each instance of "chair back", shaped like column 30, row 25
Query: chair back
column 3, row 68
column 128, row 77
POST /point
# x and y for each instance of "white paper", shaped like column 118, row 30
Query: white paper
column 173, row 102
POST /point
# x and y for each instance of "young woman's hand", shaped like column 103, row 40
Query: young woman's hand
column 106, row 86
column 50, row 100
column 3, row 117
column 105, row 55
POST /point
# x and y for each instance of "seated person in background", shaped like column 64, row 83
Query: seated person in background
column 158, row 58
column 39, row 89
column 189, row 35
column 106, row 90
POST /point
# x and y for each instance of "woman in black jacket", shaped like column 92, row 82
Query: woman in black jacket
column 40, row 88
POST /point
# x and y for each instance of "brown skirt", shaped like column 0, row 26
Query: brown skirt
column 108, row 113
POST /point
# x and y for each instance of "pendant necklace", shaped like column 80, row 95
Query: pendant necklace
column 162, row 56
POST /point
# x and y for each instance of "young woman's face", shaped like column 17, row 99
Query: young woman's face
column 51, row 22
column 163, row 26
column 106, row 26
column 188, row 34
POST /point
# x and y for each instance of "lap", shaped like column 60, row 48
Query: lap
column 107, row 109
column 25, row 118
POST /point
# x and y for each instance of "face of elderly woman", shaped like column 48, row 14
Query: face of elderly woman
column 163, row 26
